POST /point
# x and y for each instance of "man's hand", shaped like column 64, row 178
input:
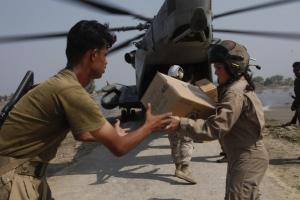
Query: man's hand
column 174, row 125
column 121, row 131
column 157, row 122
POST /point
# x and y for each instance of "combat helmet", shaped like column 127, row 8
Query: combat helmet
column 233, row 55
column 176, row 71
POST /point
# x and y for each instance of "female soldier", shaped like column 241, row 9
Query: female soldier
column 238, row 122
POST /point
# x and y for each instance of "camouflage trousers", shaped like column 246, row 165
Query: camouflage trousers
column 21, row 187
column 181, row 148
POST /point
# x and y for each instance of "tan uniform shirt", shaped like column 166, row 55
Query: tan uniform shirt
column 41, row 119
column 238, row 121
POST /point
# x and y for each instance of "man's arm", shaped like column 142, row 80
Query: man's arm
column 112, row 138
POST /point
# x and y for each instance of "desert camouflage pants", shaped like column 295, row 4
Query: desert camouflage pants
column 21, row 187
column 181, row 148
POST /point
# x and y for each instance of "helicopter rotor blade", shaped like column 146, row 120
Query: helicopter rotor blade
column 28, row 37
column 281, row 35
column 18, row 38
column 125, row 43
column 110, row 9
column 139, row 27
column 255, row 7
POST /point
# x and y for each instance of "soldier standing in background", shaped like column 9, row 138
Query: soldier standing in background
column 181, row 147
column 296, row 103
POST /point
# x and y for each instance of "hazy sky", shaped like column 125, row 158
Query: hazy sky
column 46, row 57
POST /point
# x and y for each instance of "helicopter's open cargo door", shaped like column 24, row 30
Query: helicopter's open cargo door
column 167, row 94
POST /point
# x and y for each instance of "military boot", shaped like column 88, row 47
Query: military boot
column 183, row 172
column 222, row 160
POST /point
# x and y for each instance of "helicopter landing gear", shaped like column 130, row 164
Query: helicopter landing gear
column 128, row 114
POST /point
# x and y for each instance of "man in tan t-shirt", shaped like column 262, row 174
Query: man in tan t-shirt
column 38, row 123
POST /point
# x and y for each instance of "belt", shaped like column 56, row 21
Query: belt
column 8, row 163
column 32, row 168
column 2, row 182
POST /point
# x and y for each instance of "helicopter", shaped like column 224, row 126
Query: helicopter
column 179, row 28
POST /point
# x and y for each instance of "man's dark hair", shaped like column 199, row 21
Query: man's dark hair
column 86, row 35
column 296, row 64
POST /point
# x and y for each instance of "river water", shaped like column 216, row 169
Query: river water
column 276, row 97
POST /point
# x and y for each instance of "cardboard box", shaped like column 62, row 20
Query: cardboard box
column 208, row 88
column 167, row 94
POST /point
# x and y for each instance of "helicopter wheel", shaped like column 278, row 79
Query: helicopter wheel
column 132, row 115
column 124, row 115
column 128, row 115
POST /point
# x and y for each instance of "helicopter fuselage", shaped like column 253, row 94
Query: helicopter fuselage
column 180, row 34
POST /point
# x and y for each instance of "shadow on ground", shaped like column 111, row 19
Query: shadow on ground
column 284, row 161
column 134, row 165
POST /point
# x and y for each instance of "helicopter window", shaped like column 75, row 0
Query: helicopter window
column 191, row 36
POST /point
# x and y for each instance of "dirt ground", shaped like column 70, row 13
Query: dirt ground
column 283, row 144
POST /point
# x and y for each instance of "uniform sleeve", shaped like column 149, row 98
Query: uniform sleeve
column 81, row 111
column 216, row 126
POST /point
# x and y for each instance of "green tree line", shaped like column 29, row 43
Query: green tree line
column 276, row 80
column 4, row 98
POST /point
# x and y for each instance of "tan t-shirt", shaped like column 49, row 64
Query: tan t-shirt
column 41, row 119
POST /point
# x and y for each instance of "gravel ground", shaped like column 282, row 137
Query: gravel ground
column 90, row 171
